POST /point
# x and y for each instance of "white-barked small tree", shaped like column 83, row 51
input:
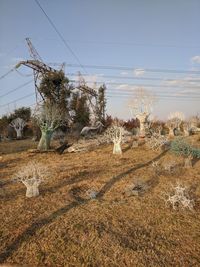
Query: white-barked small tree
column 32, row 175
column 49, row 117
column 18, row 124
column 115, row 134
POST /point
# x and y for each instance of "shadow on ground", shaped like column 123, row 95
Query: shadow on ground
column 31, row 230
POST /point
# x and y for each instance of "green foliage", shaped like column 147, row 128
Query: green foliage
column 23, row 113
column 101, row 103
column 80, row 108
column 53, row 85
column 181, row 147
column 55, row 88
column 4, row 122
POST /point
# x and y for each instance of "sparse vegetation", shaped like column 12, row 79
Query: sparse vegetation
column 84, row 205
column 181, row 147
column 179, row 198
column 31, row 176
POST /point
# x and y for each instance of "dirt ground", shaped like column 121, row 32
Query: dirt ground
column 63, row 226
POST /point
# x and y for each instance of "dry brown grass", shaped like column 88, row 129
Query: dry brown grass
column 63, row 227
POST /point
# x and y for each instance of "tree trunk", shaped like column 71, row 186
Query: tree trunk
column 117, row 149
column 171, row 132
column 188, row 162
column 186, row 132
column 19, row 133
column 32, row 190
column 45, row 140
column 142, row 129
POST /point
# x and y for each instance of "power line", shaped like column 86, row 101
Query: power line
column 3, row 76
column 134, row 68
column 17, row 88
column 160, row 99
column 133, row 44
column 175, row 98
column 179, row 93
column 23, row 75
column 136, row 78
column 122, row 43
column 142, row 85
column 131, row 94
column 60, row 35
column 124, row 95
column 16, row 100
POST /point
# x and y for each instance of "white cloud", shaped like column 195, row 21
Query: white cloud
column 126, row 86
column 185, row 81
column 195, row 59
column 124, row 73
column 138, row 72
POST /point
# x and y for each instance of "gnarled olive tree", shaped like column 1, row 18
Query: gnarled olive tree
column 49, row 117
column 141, row 107
column 174, row 122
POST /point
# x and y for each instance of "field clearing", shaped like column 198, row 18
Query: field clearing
column 64, row 227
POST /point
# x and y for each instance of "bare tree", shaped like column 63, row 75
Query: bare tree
column 174, row 122
column 31, row 176
column 157, row 141
column 179, row 197
column 141, row 107
column 187, row 126
column 195, row 123
column 115, row 134
column 18, row 124
column 49, row 117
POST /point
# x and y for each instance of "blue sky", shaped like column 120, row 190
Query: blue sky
column 141, row 35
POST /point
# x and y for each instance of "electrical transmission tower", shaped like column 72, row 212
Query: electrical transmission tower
column 40, row 69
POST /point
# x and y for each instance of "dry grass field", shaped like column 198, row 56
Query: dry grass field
column 63, row 226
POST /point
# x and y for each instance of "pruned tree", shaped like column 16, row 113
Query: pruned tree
column 101, row 104
column 31, row 175
column 195, row 124
column 181, row 147
column 141, row 107
column 157, row 141
column 49, row 117
column 187, row 127
column 18, row 124
column 55, row 89
column 174, row 122
column 115, row 134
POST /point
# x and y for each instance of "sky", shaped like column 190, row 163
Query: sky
column 126, row 44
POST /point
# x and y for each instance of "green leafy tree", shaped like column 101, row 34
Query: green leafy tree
column 101, row 103
column 181, row 147
column 56, row 89
column 4, row 122
column 49, row 118
column 23, row 113
column 80, row 109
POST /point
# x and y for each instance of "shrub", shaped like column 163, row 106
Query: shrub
column 182, row 148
